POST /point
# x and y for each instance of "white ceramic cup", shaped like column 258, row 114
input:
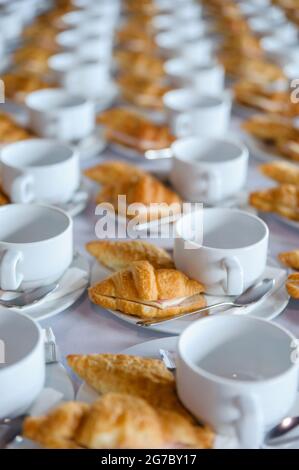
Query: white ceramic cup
column 192, row 113
column 206, row 78
column 22, row 374
column 80, row 76
column 36, row 245
column 227, row 253
column 175, row 41
column 208, row 170
column 56, row 113
column 200, row 50
column 236, row 373
column 88, row 47
column 40, row 170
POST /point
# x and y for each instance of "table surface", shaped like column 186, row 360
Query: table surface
column 86, row 328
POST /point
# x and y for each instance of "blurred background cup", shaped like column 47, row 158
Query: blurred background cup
column 40, row 170
column 23, row 349
column 88, row 78
column 192, row 114
column 56, row 113
column 36, row 245
column 205, row 77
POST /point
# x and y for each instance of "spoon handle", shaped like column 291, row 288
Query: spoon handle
column 182, row 315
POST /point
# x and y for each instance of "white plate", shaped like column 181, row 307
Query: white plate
column 107, row 97
column 91, row 146
column 268, row 308
column 291, row 223
column 48, row 309
column 151, row 349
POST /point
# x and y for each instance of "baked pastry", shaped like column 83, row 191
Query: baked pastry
column 154, row 199
column 32, row 58
column 256, row 70
column 3, row 198
column 270, row 127
column 10, row 131
column 109, row 173
column 142, row 91
column 263, row 97
column 57, row 429
column 283, row 199
column 116, row 421
column 146, row 292
column 282, row 172
column 131, row 129
column 290, row 259
column 18, row 85
column 148, row 379
column 139, row 63
column 292, row 285
column 117, row 255
column 288, row 148
column 135, row 36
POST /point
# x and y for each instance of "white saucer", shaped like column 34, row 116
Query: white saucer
column 268, row 308
column 91, row 146
column 78, row 203
column 47, row 309
column 107, row 97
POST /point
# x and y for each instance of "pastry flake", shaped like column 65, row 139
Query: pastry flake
column 292, row 285
column 131, row 129
column 10, row 131
column 18, row 85
column 290, row 259
column 117, row 255
column 109, row 173
column 282, row 172
column 146, row 292
column 139, row 63
column 142, row 91
column 283, row 200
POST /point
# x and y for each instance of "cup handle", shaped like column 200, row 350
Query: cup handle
column 212, row 182
column 234, row 284
column 22, row 189
column 10, row 278
column 250, row 426
column 183, row 125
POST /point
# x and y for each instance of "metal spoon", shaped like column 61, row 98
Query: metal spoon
column 273, row 437
column 252, row 295
column 29, row 298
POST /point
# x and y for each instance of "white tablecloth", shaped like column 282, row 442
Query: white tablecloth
column 85, row 328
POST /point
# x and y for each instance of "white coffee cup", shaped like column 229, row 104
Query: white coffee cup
column 36, row 245
column 173, row 42
column 206, row 78
column 40, row 170
column 22, row 373
column 208, row 170
column 56, row 113
column 226, row 251
column 80, row 76
column 201, row 50
column 90, row 79
column 236, row 373
column 88, row 47
column 192, row 113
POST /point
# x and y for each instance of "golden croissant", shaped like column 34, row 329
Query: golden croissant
column 115, row 421
column 290, row 259
column 144, row 378
column 137, row 290
column 282, row 172
column 292, row 285
column 284, row 200
column 117, row 255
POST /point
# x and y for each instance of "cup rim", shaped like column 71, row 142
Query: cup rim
column 37, row 328
column 216, row 99
column 38, row 94
column 218, row 379
column 223, row 209
column 243, row 150
column 42, row 206
column 49, row 142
